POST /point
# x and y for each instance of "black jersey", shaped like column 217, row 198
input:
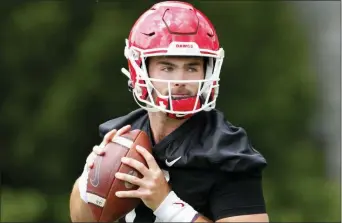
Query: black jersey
column 208, row 162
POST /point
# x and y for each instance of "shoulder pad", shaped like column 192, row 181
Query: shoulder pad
column 133, row 118
column 231, row 148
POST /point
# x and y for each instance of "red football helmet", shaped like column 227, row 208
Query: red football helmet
column 173, row 28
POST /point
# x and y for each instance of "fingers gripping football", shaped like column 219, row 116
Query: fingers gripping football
column 153, row 187
column 99, row 150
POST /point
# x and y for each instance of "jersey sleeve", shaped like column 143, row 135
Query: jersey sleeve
column 237, row 194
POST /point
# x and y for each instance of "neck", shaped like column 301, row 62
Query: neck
column 161, row 125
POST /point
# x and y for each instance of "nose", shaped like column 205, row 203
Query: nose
column 180, row 75
column 179, row 84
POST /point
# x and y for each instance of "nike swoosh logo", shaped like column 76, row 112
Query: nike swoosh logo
column 96, row 180
column 180, row 203
column 180, row 115
column 169, row 164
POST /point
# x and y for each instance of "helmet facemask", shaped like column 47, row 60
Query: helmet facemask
column 143, row 88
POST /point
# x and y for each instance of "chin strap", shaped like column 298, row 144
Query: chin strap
column 181, row 105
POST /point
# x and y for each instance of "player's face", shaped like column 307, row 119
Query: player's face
column 176, row 68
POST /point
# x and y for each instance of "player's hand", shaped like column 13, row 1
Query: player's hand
column 99, row 150
column 153, row 187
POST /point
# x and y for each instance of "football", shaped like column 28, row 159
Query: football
column 102, row 185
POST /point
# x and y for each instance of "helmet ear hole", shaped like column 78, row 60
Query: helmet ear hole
column 147, row 63
column 130, row 85
column 205, row 63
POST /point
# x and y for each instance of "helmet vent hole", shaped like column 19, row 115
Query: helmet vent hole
column 149, row 34
column 210, row 35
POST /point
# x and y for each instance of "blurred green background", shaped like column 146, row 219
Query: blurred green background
column 60, row 78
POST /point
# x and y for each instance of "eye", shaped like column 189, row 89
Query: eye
column 167, row 69
column 192, row 69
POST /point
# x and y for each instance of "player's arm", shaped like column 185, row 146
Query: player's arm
column 79, row 210
column 242, row 218
column 246, row 218
column 238, row 197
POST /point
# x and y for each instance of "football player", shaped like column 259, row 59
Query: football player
column 203, row 168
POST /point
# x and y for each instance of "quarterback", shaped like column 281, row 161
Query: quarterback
column 203, row 168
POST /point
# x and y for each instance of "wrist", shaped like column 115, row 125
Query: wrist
column 173, row 209
column 160, row 201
